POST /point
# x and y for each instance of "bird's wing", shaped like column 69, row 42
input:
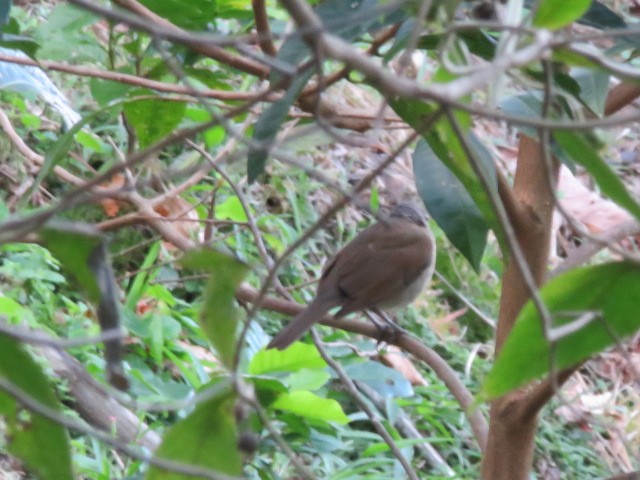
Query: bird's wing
column 382, row 260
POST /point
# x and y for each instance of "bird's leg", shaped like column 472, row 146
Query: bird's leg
column 388, row 329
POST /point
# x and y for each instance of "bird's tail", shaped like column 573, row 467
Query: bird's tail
column 300, row 324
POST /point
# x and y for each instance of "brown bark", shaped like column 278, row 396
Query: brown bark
column 513, row 420
column 511, row 431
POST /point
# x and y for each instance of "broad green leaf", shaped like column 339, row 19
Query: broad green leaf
column 610, row 291
column 72, row 244
column 231, row 209
column 447, row 148
column 219, row 315
column 602, row 17
column 66, row 34
column 5, row 9
column 450, row 204
column 206, row 438
column 556, row 14
column 610, row 184
column 154, row 118
column 479, row 43
column 308, row 379
column 309, row 405
column 594, row 85
column 298, row 356
column 268, row 125
column 42, row 444
column 91, row 141
column 384, row 380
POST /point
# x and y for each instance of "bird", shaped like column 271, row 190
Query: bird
column 384, row 267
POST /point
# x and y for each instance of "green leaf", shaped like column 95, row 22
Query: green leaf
column 231, row 209
column 206, row 438
column 43, row 445
column 66, row 34
column 450, row 204
column 191, row 15
column 610, row 184
column 154, row 118
column 308, row 379
column 610, row 291
column 388, row 382
column 602, row 17
column 140, row 282
column 448, row 149
column 106, row 91
column 556, row 14
column 5, row 9
column 59, row 149
column 82, row 250
column 268, row 125
column 72, row 244
column 309, row 405
column 91, row 141
column 296, row 357
column 594, row 85
column 219, row 315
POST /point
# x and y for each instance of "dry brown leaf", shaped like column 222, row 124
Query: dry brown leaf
column 596, row 213
column 185, row 218
column 111, row 206
column 203, row 354
column 446, row 326
column 394, row 358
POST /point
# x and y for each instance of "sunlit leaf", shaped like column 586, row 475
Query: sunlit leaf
column 298, row 356
column 555, row 14
column 309, row 405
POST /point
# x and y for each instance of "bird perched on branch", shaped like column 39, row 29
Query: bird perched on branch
column 384, row 267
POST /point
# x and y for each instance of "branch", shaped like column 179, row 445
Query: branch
column 440, row 367
column 374, row 418
column 132, row 79
column 159, row 27
column 262, row 27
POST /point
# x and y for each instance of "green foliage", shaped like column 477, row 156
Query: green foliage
column 555, row 14
column 183, row 330
column 600, row 300
column 27, row 431
column 206, row 438
column 450, row 204
column 219, row 314
column 154, row 118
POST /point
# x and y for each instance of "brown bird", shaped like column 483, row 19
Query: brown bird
column 385, row 266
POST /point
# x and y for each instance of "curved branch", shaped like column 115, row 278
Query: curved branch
column 407, row 343
column 262, row 27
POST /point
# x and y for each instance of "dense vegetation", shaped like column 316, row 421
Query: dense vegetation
column 175, row 174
